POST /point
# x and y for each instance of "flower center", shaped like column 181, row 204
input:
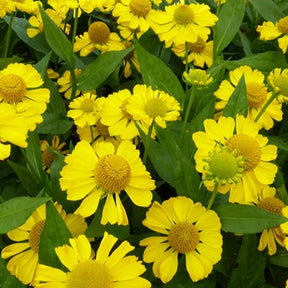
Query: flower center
column 113, row 173
column 12, row 88
column 87, row 105
column 197, row 77
column 198, row 46
column 48, row 157
column 183, row 15
column 256, row 94
column 35, row 235
column 102, row 129
column 283, row 25
column 155, row 107
column 90, row 274
column 247, row 147
column 272, row 204
column 183, row 237
column 98, row 32
column 140, row 8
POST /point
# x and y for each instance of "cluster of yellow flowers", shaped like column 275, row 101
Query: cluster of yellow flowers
column 232, row 155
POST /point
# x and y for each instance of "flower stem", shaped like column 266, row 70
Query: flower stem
column 264, row 107
column 191, row 99
column 213, row 197
column 147, row 142
column 9, row 32
column 186, row 63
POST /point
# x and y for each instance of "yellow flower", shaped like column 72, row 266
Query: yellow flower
column 105, row 171
column 28, row 6
column 105, row 5
column 186, row 228
column 271, row 31
column 13, row 129
column 246, row 141
column 84, row 110
column 197, row 77
column 269, row 202
column 25, row 252
column 115, row 115
column 105, row 269
column 182, row 23
column 36, row 23
column 131, row 58
column 66, row 83
column 20, row 87
column 278, row 80
column 134, row 14
column 256, row 93
column 148, row 106
column 98, row 37
column 199, row 53
column 51, row 74
column 47, row 153
column 220, row 1
column 4, row 8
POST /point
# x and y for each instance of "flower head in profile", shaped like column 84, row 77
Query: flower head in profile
column 13, row 129
column 47, row 151
column 278, row 80
column 270, row 236
column 257, row 96
column 185, row 228
column 98, row 37
column 105, row 171
column 20, row 86
column 148, row 106
column 108, row 268
column 25, row 253
column 181, row 23
column 241, row 136
column 197, row 77
column 200, row 53
column 271, row 31
column 65, row 83
column 84, row 110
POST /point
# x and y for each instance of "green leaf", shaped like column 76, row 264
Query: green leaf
column 155, row 73
column 238, row 101
column 280, row 142
column 4, row 62
column 268, row 9
column 251, row 265
column 245, row 219
column 14, row 212
column 280, row 259
column 245, row 43
column 263, row 61
column 42, row 65
column 230, row 19
column 55, row 234
column 33, row 156
column 20, row 26
column 57, row 40
column 95, row 73
column 28, row 181
column 54, row 124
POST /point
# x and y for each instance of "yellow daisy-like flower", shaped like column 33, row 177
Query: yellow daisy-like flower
column 28, row 6
column 197, row 77
column 257, row 95
column 105, row 171
column 278, row 80
column 106, row 269
column 115, row 115
column 269, row 202
column 241, row 136
column 271, row 31
column 181, row 23
column 106, row 5
column 98, row 37
column 13, row 129
column 148, row 106
column 66, row 83
column 47, row 154
column 20, row 87
column 199, row 53
column 25, row 253
column 84, row 110
column 187, row 228
column 37, row 26
column 4, row 8
column 134, row 14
